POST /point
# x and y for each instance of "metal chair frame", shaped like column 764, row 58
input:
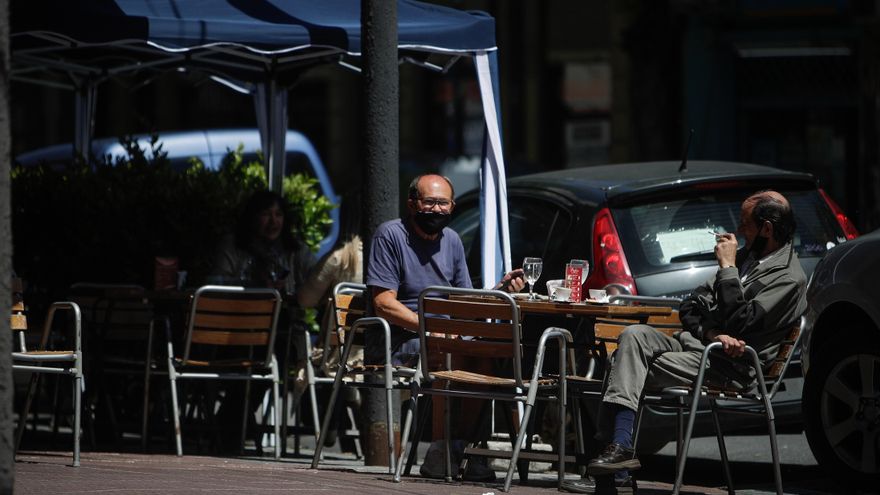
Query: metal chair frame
column 393, row 377
column 40, row 361
column 269, row 363
column 521, row 391
column 688, row 398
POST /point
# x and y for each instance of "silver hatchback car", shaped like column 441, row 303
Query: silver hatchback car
column 841, row 362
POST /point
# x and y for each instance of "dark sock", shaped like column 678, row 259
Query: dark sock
column 623, row 427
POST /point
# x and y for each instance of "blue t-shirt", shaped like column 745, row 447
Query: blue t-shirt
column 402, row 261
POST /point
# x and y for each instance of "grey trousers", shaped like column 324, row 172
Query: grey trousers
column 646, row 358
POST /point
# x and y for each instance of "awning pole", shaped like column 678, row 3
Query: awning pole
column 84, row 124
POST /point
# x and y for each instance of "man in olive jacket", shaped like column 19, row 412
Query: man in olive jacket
column 753, row 299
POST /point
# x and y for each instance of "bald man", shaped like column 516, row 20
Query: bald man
column 406, row 256
column 755, row 296
column 409, row 254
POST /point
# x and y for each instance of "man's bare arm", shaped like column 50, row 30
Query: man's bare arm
column 387, row 306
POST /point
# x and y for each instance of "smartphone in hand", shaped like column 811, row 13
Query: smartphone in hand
column 509, row 279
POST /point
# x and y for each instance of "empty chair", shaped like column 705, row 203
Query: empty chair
column 349, row 304
column 46, row 358
column 238, row 325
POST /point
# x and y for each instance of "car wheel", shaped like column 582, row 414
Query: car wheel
column 842, row 413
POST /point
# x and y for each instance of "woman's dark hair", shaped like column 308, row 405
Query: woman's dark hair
column 778, row 214
column 248, row 220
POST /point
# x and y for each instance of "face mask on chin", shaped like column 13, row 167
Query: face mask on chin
column 431, row 222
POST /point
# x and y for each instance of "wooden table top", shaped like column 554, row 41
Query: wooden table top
column 546, row 307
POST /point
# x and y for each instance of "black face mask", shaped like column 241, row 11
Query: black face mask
column 432, row 222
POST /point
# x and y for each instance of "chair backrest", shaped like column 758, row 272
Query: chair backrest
column 787, row 350
column 490, row 327
column 18, row 317
column 18, row 322
column 233, row 317
column 349, row 305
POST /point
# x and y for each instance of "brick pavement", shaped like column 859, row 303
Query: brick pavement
column 104, row 472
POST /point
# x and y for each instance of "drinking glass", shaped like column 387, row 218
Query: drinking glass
column 532, row 271
column 585, row 264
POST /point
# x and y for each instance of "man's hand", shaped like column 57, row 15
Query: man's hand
column 725, row 249
column 513, row 281
column 732, row 346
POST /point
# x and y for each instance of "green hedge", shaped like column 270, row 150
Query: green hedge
column 104, row 221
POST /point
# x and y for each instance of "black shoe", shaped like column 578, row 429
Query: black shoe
column 615, row 458
column 602, row 486
column 478, row 470
column 434, row 465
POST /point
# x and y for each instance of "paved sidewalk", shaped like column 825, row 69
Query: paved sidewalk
column 101, row 472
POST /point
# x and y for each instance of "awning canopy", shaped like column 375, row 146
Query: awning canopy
column 109, row 37
column 254, row 46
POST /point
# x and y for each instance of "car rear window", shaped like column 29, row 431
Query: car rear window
column 675, row 233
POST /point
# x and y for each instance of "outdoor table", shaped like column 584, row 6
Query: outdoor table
column 587, row 308
column 593, row 309
column 583, row 316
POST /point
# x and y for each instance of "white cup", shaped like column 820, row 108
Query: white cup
column 561, row 294
column 553, row 284
column 599, row 295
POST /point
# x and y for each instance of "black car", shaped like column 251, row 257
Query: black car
column 841, row 362
column 647, row 229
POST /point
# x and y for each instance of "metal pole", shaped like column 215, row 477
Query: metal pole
column 381, row 174
column 7, row 452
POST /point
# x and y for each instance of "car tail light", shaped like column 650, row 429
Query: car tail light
column 849, row 230
column 610, row 267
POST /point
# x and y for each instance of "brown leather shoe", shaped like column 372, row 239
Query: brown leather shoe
column 615, row 458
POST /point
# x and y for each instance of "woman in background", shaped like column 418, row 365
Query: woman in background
column 263, row 252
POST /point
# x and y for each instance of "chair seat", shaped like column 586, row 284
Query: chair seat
column 713, row 392
column 463, row 376
column 44, row 356
column 219, row 363
column 375, row 368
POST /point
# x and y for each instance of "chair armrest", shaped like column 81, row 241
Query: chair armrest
column 360, row 325
column 563, row 337
column 750, row 356
column 50, row 320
